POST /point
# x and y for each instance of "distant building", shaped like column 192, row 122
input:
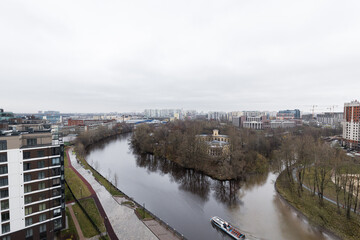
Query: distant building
column 238, row 121
column 288, row 114
column 307, row 117
column 86, row 122
column 218, row 116
column 333, row 119
column 218, row 145
column 280, row 124
column 162, row 113
column 351, row 126
column 6, row 116
column 254, row 120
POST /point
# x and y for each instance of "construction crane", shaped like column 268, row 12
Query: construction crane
column 333, row 108
column 313, row 110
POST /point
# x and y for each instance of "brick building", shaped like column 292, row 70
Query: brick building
column 351, row 125
column 32, row 198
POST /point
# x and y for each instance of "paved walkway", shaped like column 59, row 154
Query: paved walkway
column 124, row 222
column 77, row 226
column 72, row 160
column 160, row 231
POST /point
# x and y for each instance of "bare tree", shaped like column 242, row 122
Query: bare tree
column 322, row 169
column 116, row 179
column 286, row 154
column 304, row 155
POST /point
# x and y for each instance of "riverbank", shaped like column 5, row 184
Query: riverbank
column 159, row 228
column 326, row 217
column 124, row 222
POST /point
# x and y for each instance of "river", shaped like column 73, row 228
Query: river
column 186, row 199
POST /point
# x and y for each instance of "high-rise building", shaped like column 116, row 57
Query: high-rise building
column 351, row 126
column 32, row 199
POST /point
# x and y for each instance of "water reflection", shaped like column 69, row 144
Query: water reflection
column 226, row 192
column 186, row 199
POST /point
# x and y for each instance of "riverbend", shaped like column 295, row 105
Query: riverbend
column 186, row 200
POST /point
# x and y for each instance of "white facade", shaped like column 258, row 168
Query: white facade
column 16, row 196
column 253, row 124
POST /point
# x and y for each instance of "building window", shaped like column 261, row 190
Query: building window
column 29, row 232
column 27, row 177
column 42, row 217
column 28, row 221
column 55, row 161
column 5, row 228
column 4, row 193
column 28, row 210
column 26, row 155
column 42, row 228
column 4, row 181
column 57, row 223
column 3, row 169
column 56, row 192
column 27, row 188
column 56, row 182
column 42, row 207
column 27, row 166
column 55, row 171
column 4, row 204
column 41, row 153
column 41, row 164
column 41, row 185
column 55, row 151
column 41, row 175
column 5, row 216
column 56, row 202
column 3, row 157
column 3, row 145
column 28, row 199
column 31, row 141
column 6, row 238
column 42, row 196
column 57, row 212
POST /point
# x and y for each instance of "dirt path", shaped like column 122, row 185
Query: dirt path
column 77, row 225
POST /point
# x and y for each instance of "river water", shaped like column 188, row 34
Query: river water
column 186, row 199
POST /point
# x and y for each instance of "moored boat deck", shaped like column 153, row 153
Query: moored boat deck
column 226, row 227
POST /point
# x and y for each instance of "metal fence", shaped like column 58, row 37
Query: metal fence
column 84, row 211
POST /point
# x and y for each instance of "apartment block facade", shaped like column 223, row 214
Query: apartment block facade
column 351, row 125
column 32, row 198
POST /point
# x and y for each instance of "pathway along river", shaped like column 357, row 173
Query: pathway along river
column 186, row 199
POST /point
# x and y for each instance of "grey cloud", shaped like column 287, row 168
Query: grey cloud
column 90, row 56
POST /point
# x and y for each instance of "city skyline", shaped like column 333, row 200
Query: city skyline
column 209, row 56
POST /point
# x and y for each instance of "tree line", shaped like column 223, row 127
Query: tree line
column 322, row 166
column 90, row 137
column 250, row 150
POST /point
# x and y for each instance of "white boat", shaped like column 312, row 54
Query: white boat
column 228, row 228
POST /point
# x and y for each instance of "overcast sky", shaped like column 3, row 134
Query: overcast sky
column 102, row 56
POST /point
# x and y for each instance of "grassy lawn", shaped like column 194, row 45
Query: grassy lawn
column 79, row 188
column 71, row 232
column 330, row 187
column 142, row 214
column 66, row 164
column 326, row 216
column 85, row 225
column 68, row 196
